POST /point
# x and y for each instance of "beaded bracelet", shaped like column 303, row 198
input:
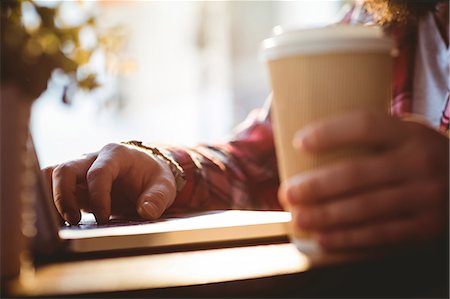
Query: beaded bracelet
column 175, row 168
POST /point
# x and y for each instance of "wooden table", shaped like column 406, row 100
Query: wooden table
column 270, row 270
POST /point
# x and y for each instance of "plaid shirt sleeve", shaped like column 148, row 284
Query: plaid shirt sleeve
column 405, row 36
column 242, row 174
column 239, row 174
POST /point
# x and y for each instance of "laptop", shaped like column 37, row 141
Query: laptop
column 207, row 228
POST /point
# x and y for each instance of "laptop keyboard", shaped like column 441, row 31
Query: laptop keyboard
column 88, row 222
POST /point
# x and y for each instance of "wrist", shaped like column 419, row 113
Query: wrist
column 175, row 168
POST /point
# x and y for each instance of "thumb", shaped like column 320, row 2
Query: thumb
column 156, row 199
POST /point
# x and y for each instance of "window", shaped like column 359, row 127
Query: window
column 197, row 74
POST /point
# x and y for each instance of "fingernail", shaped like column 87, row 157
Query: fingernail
column 72, row 218
column 300, row 140
column 286, row 188
column 287, row 193
column 150, row 209
column 290, row 188
column 283, row 197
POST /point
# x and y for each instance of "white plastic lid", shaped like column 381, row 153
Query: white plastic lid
column 330, row 39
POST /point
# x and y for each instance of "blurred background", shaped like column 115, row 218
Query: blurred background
column 193, row 73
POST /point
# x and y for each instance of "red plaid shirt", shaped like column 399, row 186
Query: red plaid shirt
column 242, row 174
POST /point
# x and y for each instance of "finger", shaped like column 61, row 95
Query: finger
column 356, row 128
column 157, row 198
column 399, row 201
column 341, row 178
column 100, row 177
column 47, row 173
column 394, row 232
column 82, row 195
column 64, row 181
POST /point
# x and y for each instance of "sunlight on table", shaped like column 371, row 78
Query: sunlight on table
column 164, row 270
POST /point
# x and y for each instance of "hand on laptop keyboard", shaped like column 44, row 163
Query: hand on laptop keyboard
column 118, row 179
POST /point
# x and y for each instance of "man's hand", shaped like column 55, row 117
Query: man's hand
column 396, row 195
column 118, row 180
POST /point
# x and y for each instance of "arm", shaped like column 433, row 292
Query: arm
column 240, row 174
column 124, row 179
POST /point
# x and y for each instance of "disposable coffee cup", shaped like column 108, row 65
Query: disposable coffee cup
column 318, row 73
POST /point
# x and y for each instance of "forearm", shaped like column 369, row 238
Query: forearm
column 240, row 174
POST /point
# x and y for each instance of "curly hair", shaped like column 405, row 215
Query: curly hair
column 388, row 11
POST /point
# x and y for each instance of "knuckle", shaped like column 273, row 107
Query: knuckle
column 48, row 169
column 94, row 174
column 115, row 149
column 62, row 169
column 109, row 146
